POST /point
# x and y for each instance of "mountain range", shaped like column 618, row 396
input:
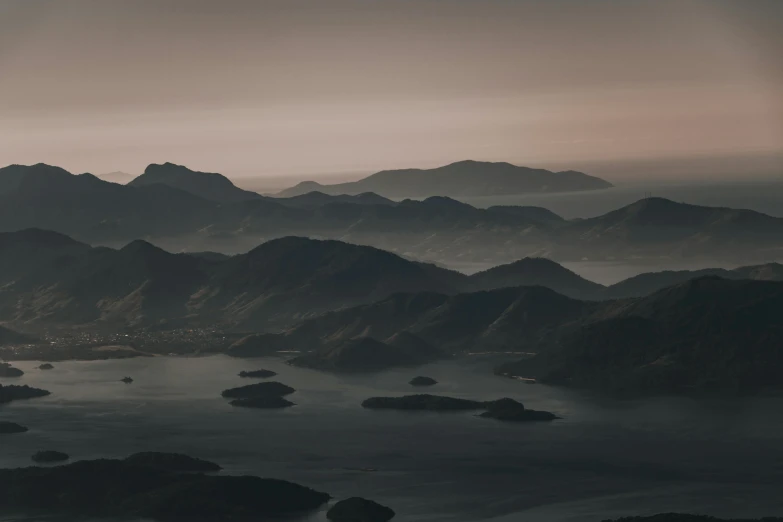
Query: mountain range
column 179, row 209
column 463, row 178
column 47, row 278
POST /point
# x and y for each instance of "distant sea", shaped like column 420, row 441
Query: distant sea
column 766, row 197
column 605, row 458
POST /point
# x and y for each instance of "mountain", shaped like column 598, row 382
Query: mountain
column 207, row 185
column 463, row 178
column 437, row 229
column 66, row 283
column 88, row 208
column 291, row 278
column 659, row 227
column 645, row 284
column 707, row 333
column 538, row 271
column 122, row 178
column 428, row 323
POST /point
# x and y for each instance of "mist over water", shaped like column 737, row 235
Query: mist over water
column 761, row 196
column 605, row 457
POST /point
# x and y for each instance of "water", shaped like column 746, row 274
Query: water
column 762, row 196
column 606, row 458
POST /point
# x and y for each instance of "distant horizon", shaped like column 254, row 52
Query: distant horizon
column 301, row 90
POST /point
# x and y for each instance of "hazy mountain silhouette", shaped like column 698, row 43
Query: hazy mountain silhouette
column 701, row 334
column 437, row 229
column 50, row 278
column 660, row 227
column 541, row 272
column 207, row 185
column 647, row 283
column 463, row 178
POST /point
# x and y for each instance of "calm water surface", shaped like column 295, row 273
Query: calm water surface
column 606, row 458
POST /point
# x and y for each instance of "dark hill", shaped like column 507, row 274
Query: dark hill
column 706, row 333
column 645, row 284
column 509, row 319
column 207, row 185
column 463, row 178
column 537, row 271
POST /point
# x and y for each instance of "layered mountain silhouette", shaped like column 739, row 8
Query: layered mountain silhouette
column 48, row 278
column 463, row 178
column 179, row 209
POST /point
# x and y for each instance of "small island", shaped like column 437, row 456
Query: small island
column 258, row 374
column 264, row 402
column 130, row 489
column 12, row 393
column 50, row 456
column 6, row 370
column 422, row 381
column 261, row 389
column 358, row 509
column 172, row 462
column 11, row 427
column 422, row 402
column 510, row 410
column 46, row 366
column 502, row 409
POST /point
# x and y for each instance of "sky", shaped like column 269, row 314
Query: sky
column 315, row 89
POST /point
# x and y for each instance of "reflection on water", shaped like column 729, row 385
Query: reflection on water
column 605, row 458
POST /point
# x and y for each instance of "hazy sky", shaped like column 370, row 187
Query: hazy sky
column 301, row 88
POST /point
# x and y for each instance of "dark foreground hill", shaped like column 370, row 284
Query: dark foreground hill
column 707, row 333
column 411, row 329
column 463, row 178
column 128, row 488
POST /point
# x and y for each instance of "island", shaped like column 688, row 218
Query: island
column 358, row 509
column 50, row 456
column 510, row 410
column 423, row 381
column 120, row 488
column 423, row 402
column 263, row 402
column 11, row 427
column 177, row 462
column 258, row 374
column 502, row 409
column 6, row 370
column 46, row 366
column 12, row 393
column 261, row 389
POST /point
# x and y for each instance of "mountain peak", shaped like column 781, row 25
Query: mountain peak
column 208, row 185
